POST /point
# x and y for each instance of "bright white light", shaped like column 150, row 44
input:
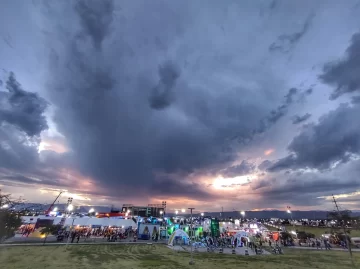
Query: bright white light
column 55, row 209
column 183, row 210
column 293, row 232
column 288, row 211
column 128, row 211
column 202, row 214
column 70, row 207
column 176, row 212
column 242, row 213
column 161, row 212
column 91, row 210
column 223, row 183
column 126, row 214
column 5, row 206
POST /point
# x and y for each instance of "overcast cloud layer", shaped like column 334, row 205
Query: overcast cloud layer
column 141, row 101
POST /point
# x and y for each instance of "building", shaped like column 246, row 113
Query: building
column 151, row 210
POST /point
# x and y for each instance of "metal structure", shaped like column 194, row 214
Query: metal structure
column 345, row 233
column 50, row 207
column 164, row 211
column 192, row 233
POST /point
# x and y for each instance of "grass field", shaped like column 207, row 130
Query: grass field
column 160, row 257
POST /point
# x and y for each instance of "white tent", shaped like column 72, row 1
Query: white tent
column 177, row 232
column 241, row 234
column 83, row 221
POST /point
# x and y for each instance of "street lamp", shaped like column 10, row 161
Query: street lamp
column 70, row 207
column 92, row 210
column 183, row 210
column 242, row 213
column 289, row 212
column 176, row 212
column 161, row 212
column 202, row 214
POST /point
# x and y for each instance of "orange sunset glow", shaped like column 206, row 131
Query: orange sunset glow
column 268, row 152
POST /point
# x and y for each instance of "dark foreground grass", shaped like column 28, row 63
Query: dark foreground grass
column 158, row 256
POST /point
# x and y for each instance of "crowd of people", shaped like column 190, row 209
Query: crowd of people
column 109, row 234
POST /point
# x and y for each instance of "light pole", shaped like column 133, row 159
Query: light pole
column 289, row 212
column 164, row 208
column 192, row 231
column 242, row 214
column 162, row 216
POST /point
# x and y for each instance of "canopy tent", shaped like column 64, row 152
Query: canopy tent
column 177, row 232
column 241, row 234
column 105, row 222
column 84, row 221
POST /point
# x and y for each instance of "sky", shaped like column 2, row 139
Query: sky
column 240, row 105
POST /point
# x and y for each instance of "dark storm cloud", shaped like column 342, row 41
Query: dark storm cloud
column 17, row 151
column 294, row 95
column 244, row 168
column 286, row 42
column 307, row 188
column 101, row 96
column 289, row 97
column 300, row 192
column 262, row 183
column 344, row 74
column 22, row 109
column 310, row 188
column 299, row 119
column 335, row 138
column 265, row 165
column 95, row 18
column 175, row 187
column 21, row 122
column 355, row 100
column 162, row 95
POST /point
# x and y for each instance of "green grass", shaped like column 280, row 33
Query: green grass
column 160, row 257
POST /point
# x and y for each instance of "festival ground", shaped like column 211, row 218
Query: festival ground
column 133, row 256
column 317, row 231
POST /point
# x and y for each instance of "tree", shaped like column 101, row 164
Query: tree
column 9, row 221
column 51, row 229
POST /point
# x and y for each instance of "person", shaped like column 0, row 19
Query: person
column 318, row 244
column 78, row 237
column 73, row 235
column 326, row 244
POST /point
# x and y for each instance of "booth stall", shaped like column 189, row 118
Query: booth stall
column 179, row 236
